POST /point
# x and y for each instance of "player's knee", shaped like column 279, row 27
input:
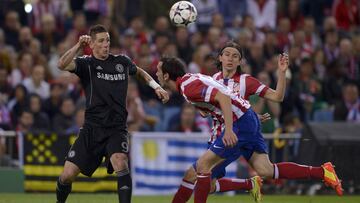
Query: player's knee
column 67, row 176
column 190, row 175
column 119, row 161
column 264, row 170
column 202, row 167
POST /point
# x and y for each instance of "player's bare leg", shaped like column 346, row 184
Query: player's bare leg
column 119, row 162
column 287, row 170
column 63, row 187
column 204, row 166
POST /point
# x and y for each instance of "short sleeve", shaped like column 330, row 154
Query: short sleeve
column 198, row 91
column 81, row 66
column 255, row 87
column 131, row 65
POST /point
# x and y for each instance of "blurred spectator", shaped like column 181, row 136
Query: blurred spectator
column 18, row 103
column 5, row 160
column 23, row 70
column 284, row 34
column 79, row 122
column 5, row 116
column 262, row 106
column 5, row 87
column 256, row 59
column 26, row 121
column 206, row 9
column 65, row 118
column 162, row 25
column 198, row 58
column 38, row 57
column 349, row 108
column 183, row 44
column 331, row 48
column 49, row 36
column 214, row 39
column 308, row 87
column 299, row 40
column 11, row 28
column 292, row 124
column 347, row 59
column 36, row 83
column 263, row 12
column 235, row 28
column 57, row 8
column 54, row 58
column 256, row 34
column 209, row 67
column 270, row 45
column 134, row 106
column 312, row 39
column 317, row 9
column 231, row 9
column 294, row 14
column 347, row 14
column 334, row 81
column 25, row 37
column 41, row 120
column 319, row 63
column 95, row 8
column 187, row 120
column 52, row 104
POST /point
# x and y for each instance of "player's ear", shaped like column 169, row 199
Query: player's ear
column 166, row 77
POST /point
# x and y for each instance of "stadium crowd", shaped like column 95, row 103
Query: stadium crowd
column 322, row 39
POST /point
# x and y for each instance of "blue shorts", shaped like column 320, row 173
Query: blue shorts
column 250, row 140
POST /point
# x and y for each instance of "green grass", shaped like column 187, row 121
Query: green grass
column 112, row 198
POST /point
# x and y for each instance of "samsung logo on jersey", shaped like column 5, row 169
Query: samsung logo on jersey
column 111, row 77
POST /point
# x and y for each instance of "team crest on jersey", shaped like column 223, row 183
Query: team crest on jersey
column 99, row 68
column 119, row 68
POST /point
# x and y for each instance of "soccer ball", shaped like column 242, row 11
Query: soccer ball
column 183, row 13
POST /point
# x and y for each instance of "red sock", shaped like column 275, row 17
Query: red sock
column 227, row 184
column 202, row 187
column 184, row 192
column 288, row 170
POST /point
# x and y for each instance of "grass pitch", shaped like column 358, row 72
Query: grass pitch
column 112, row 198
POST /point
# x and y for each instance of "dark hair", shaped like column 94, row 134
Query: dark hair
column 96, row 29
column 233, row 45
column 173, row 66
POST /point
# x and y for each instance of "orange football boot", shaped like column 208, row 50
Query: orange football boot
column 331, row 179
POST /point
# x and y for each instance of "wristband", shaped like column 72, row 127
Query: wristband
column 153, row 84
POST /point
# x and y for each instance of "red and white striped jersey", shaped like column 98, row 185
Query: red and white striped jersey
column 200, row 90
column 244, row 85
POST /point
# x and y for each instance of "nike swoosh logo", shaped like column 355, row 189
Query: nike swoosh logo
column 215, row 146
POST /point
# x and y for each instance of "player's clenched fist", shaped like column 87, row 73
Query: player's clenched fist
column 84, row 40
column 162, row 94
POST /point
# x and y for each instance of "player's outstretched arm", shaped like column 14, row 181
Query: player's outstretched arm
column 66, row 61
column 229, row 138
column 160, row 92
column 278, row 94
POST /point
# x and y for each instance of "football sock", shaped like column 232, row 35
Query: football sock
column 202, row 187
column 288, row 170
column 62, row 191
column 184, row 192
column 124, row 186
column 227, row 184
